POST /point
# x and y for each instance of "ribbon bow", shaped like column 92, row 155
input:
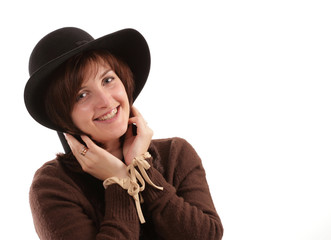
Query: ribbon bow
column 131, row 184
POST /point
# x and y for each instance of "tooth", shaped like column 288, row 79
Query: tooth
column 109, row 115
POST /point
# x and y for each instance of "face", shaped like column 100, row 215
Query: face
column 102, row 107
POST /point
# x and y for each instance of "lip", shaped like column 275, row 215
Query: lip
column 108, row 120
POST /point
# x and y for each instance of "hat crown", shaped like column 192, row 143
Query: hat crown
column 55, row 44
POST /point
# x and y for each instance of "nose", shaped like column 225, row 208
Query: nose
column 103, row 99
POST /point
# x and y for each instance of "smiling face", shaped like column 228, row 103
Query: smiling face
column 102, row 107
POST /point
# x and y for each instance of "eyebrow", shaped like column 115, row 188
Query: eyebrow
column 102, row 75
column 106, row 72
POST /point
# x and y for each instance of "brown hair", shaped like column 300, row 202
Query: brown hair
column 68, row 78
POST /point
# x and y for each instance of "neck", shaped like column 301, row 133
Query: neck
column 115, row 148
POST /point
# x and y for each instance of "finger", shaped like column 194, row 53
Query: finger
column 72, row 141
column 76, row 147
column 129, row 132
column 142, row 127
column 139, row 121
column 89, row 143
column 132, row 120
column 135, row 112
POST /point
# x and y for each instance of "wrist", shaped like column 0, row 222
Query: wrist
column 122, row 172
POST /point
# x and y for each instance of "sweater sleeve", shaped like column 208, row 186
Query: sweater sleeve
column 184, row 209
column 60, row 211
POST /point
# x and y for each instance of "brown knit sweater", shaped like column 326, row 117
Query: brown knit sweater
column 69, row 204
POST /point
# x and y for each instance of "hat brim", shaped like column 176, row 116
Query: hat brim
column 127, row 44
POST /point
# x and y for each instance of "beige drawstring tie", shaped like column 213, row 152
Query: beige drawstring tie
column 130, row 183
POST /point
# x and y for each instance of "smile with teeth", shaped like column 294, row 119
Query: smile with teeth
column 108, row 116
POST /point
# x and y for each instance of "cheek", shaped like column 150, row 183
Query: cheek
column 121, row 95
column 79, row 115
column 74, row 117
column 122, row 98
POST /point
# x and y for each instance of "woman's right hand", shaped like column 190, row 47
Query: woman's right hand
column 97, row 161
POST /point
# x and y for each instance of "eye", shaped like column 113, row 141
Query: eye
column 81, row 96
column 107, row 80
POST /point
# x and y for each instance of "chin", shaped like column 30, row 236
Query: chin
column 109, row 136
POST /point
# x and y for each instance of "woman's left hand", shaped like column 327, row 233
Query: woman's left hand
column 136, row 145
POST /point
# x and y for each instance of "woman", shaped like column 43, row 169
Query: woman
column 114, row 181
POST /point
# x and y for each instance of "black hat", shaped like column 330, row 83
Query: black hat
column 60, row 45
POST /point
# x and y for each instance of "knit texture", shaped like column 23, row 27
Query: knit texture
column 68, row 204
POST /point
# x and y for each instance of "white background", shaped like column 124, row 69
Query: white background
column 247, row 83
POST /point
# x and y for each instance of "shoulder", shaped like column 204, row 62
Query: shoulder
column 177, row 156
column 48, row 170
column 173, row 144
column 175, row 148
column 51, row 176
column 58, row 168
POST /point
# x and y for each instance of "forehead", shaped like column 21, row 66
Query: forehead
column 93, row 67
